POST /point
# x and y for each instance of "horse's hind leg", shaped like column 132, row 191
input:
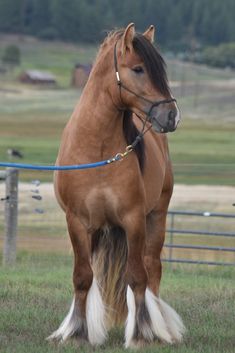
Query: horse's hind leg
column 85, row 319
column 155, row 238
column 156, row 224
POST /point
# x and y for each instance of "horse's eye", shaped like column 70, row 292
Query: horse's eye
column 138, row 69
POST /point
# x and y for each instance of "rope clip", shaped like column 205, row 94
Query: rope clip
column 120, row 156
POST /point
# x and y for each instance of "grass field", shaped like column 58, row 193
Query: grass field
column 36, row 295
column 32, row 121
column 203, row 153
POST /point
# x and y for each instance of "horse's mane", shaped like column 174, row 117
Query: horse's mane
column 156, row 69
column 130, row 132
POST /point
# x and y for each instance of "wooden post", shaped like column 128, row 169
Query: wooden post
column 11, row 215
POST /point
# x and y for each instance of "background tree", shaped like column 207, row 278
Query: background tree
column 179, row 23
column 11, row 55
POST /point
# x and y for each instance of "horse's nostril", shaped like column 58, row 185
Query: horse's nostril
column 172, row 115
column 171, row 119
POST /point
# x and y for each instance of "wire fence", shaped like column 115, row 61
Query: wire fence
column 192, row 237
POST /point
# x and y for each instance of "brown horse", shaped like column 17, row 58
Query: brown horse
column 116, row 214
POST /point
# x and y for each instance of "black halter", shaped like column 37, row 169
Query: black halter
column 153, row 103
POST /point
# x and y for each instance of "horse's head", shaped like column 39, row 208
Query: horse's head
column 142, row 81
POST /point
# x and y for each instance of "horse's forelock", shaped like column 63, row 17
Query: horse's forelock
column 153, row 61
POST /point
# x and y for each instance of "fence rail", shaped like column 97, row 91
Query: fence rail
column 200, row 247
column 204, row 214
column 201, row 232
column 199, row 262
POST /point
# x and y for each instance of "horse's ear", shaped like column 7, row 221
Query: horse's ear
column 127, row 38
column 149, row 33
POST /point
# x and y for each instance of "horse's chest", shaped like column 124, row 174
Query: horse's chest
column 102, row 201
column 97, row 207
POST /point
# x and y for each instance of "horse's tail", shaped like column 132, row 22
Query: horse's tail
column 109, row 258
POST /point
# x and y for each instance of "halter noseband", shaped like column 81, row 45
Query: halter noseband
column 153, row 104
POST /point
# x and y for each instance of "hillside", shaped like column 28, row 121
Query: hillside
column 202, row 148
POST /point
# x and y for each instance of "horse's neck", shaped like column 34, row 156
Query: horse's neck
column 96, row 124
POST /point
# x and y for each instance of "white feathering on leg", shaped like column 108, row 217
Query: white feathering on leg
column 173, row 321
column 130, row 322
column 68, row 327
column 159, row 326
column 95, row 315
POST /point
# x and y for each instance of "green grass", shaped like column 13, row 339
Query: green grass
column 203, row 153
column 35, row 296
column 33, row 121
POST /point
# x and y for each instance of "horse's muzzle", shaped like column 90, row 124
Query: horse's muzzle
column 165, row 122
column 166, row 119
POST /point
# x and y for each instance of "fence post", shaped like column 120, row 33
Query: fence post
column 171, row 238
column 11, row 215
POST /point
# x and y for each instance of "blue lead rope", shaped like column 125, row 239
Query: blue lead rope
column 119, row 156
column 54, row 167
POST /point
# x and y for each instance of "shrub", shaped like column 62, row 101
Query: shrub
column 220, row 56
column 11, row 55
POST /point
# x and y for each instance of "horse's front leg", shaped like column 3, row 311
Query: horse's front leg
column 86, row 317
column 134, row 226
column 144, row 322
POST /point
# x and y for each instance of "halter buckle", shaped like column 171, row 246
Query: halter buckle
column 118, row 78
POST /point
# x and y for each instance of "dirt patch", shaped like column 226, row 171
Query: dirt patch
column 213, row 198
